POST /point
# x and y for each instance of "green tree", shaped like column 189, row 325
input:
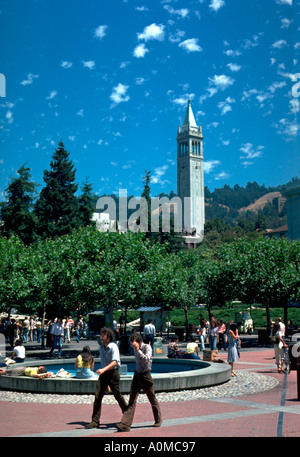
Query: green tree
column 86, row 205
column 17, row 212
column 57, row 205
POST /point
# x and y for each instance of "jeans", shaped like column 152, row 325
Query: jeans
column 25, row 334
column 202, row 345
column 57, row 341
column 38, row 335
column 213, row 343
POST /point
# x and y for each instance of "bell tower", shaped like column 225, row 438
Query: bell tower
column 190, row 181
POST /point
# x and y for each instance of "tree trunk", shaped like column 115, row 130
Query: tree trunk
column 267, row 305
column 186, row 323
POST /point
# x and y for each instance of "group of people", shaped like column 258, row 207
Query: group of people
column 109, row 377
column 213, row 333
column 28, row 329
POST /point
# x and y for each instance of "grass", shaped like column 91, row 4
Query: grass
column 227, row 313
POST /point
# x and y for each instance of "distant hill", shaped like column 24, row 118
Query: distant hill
column 237, row 204
column 231, row 205
column 261, row 202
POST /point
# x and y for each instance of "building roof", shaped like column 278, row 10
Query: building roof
column 189, row 120
column 149, row 308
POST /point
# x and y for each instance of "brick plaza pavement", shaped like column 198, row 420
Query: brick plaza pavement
column 272, row 413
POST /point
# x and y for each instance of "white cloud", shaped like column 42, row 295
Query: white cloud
column 152, row 32
column 90, row 64
column 209, row 165
column 191, row 45
column 177, row 36
column 279, row 44
column 66, row 64
column 119, row 94
column 139, row 81
column 285, row 23
column 52, row 95
column 285, row 2
column 232, row 53
column 183, row 12
column 183, row 99
column 276, row 86
column 158, row 174
column 222, row 175
column 9, row 117
column 140, row 51
column 221, row 82
column 294, row 104
column 100, row 31
column 225, row 106
column 29, row 80
column 142, row 8
column 249, row 152
column 215, row 5
column 80, row 113
column 234, row 67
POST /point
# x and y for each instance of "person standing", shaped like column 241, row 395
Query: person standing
column 222, row 335
column 149, row 333
column 109, row 375
column 38, row 329
column 25, row 329
column 233, row 337
column 57, row 334
column 213, row 335
column 142, row 379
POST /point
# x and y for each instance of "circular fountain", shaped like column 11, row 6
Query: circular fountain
column 168, row 375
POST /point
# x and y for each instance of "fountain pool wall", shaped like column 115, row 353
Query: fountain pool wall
column 169, row 375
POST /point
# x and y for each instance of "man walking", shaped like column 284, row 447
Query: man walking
column 108, row 376
column 149, row 333
column 57, row 334
column 142, row 379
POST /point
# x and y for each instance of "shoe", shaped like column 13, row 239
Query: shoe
column 92, row 425
column 157, row 424
column 122, row 427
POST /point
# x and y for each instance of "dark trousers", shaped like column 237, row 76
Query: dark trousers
column 110, row 378
column 141, row 381
column 149, row 339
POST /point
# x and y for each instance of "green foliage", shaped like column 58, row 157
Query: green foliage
column 16, row 213
column 57, row 205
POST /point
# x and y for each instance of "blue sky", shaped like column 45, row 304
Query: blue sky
column 112, row 80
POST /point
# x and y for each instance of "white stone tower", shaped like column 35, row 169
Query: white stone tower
column 190, row 181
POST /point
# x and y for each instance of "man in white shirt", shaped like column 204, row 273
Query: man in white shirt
column 149, row 333
column 57, row 333
column 142, row 380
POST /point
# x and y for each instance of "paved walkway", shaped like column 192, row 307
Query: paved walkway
column 271, row 413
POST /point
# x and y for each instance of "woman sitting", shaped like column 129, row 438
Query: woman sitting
column 18, row 354
column 84, row 365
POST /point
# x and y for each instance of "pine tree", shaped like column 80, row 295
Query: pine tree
column 86, row 205
column 57, row 206
column 17, row 213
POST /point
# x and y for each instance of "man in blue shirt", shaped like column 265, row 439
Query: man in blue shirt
column 108, row 376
